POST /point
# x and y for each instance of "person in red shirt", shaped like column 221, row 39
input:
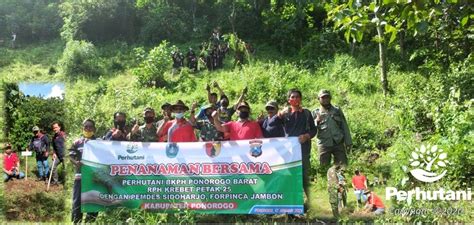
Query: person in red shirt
column 243, row 129
column 359, row 183
column 11, row 165
column 179, row 129
column 374, row 203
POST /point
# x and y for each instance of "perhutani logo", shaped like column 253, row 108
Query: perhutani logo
column 426, row 161
column 428, row 165
column 132, row 148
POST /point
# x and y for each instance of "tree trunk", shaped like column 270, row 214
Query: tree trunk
column 383, row 60
column 232, row 17
column 401, row 42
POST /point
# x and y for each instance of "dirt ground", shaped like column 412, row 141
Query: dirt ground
column 28, row 200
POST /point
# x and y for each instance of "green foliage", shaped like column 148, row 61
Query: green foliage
column 290, row 23
column 32, row 21
column 33, row 111
column 153, row 66
column 87, row 20
column 79, row 58
column 165, row 22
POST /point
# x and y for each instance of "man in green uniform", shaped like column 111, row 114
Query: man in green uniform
column 146, row 132
column 333, row 134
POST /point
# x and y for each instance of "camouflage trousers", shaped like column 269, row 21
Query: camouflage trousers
column 333, row 200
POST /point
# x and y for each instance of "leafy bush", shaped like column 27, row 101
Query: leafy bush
column 151, row 70
column 165, row 22
column 79, row 58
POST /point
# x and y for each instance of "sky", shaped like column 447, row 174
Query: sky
column 45, row 90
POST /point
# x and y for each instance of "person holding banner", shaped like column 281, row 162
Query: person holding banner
column 179, row 129
column 75, row 154
column 11, row 165
column 40, row 145
column 59, row 140
column 146, row 132
column 299, row 123
column 119, row 131
column 243, row 129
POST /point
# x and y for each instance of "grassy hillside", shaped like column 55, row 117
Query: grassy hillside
column 385, row 129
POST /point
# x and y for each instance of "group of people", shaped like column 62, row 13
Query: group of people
column 338, row 195
column 213, row 122
column 211, row 55
column 41, row 146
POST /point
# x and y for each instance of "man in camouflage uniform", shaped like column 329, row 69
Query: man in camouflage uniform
column 208, row 131
column 146, row 132
column 333, row 134
column 336, row 182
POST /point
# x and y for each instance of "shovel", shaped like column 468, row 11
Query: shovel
column 51, row 174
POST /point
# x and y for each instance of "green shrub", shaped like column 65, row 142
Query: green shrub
column 151, row 70
column 79, row 58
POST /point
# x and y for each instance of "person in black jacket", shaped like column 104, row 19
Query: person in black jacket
column 300, row 123
column 59, row 140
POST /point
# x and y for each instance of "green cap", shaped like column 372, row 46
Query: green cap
column 324, row 92
column 36, row 128
column 272, row 104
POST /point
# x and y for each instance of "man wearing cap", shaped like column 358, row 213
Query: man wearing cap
column 206, row 126
column 333, row 134
column 374, row 203
column 40, row 145
column 242, row 129
column 299, row 123
column 272, row 125
column 179, row 129
column 119, row 132
column 147, row 131
column 11, row 165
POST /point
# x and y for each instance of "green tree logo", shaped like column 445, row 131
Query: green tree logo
column 427, row 161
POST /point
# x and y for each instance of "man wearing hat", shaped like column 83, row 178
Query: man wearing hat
column 179, row 129
column 147, row 131
column 11, row 165
column 333, row 133
column 242, row 129
column 206, row 126
column 272, row 125
column 40, row 145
